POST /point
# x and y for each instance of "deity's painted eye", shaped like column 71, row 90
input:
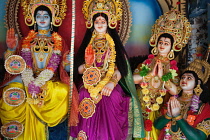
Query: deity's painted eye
column 189, row 78
column 45, row 16
column 160, row 42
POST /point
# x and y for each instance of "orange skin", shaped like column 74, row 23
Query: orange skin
column 11, row 39
column 89, row 55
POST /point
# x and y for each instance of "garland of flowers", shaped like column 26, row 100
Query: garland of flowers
column 144, row 72
column 194, row 105
column 145, row 91
column 34, row 84
column 94, row 90
column 170, row 75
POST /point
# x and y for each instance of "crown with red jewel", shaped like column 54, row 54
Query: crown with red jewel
column 175, row 24
column 112, row 8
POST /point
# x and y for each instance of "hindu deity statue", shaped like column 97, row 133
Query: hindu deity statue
column 188, row 116
column 157, row 75
column 36, row 88
column 109, row 107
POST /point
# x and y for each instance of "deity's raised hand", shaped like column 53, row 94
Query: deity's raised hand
column 11, row 39
column 89, row 55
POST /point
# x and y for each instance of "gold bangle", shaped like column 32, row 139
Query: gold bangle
column 168, row 117
column 179, row 117
column 113, row 83
column 87, row 66
column 65, row 64
column 8, row 53
column 114, row 80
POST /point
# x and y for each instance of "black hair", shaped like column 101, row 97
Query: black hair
column 166, row 35
column 43, row 8
column 205, row 95
column 121, row 55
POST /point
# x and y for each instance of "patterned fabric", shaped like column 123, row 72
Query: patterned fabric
column 204, row 126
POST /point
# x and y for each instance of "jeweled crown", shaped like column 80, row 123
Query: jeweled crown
column 57, row 8
column 112, row 8
column 201, row 68
column 175, row 24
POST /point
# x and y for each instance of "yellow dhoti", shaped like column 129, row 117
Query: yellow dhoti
column 36, row 119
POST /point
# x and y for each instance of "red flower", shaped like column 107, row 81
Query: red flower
column 148, row 125
column 148, row 110
column 190, row 112
column 173, row 62
column 151, row 56
column 199, row 54
column 178, row 3
column 174, row 67
column 148, row 61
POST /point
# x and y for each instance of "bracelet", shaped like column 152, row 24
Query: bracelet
column 168, row 117
column 179, row 117
column 148, row 77
column 8, row 53
column 65, row 64
column 86, row 66
column 114, row 80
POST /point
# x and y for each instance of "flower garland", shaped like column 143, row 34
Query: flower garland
column 146, row 92
column 147, row 96
column 34, row 84
column 194, row 105
column 173, row 71
column 94, row 90
column 170, row 75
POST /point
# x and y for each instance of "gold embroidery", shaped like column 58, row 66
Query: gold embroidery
column 204, row 126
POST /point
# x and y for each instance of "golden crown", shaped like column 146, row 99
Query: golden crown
column 57, row 8
column 201, row 68
column 112, row 8
column 175, row 24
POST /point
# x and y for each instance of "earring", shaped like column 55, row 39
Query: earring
column 89, row 24
column 94, row 32
column 51, row 26
column 154, row 51
column 198, row 90
column 170, row 56
column 35, row 26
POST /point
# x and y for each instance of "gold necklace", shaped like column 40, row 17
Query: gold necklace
column 43, row 32
column 187, row 95
column 94, row 90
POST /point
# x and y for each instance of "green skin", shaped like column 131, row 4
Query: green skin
column 190, row 132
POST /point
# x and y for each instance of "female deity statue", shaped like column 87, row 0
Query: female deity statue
column 188, row 116
column 43, row 81
column 105, row 109
column 157, row 74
